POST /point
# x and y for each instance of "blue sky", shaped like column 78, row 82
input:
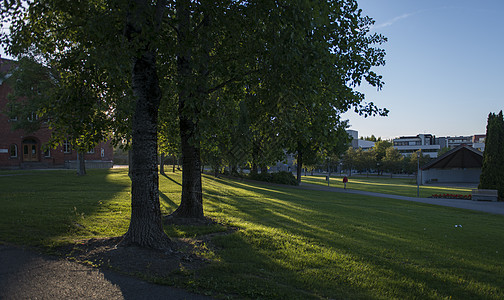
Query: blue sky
column 444, row 70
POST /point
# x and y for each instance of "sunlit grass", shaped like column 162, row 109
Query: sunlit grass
column 52, row 207
column 385, row 185
column 287, row 243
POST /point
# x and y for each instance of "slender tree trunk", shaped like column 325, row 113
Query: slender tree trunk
column 145, row 229
column 299, row 164
column 129, row 163
column 81, row 163
column 161, row 164
column 174, row 162
column 256, row 149
column 264, row 169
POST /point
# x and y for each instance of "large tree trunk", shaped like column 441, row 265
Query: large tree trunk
column 145, row 229
column 81, row 163
column 191, row 205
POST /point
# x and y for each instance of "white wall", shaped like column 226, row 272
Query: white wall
column 452, row 175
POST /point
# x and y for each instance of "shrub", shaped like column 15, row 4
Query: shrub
column 282, row 177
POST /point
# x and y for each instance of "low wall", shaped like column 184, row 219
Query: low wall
column 90, row 164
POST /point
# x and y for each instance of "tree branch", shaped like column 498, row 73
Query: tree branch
column 229, row 81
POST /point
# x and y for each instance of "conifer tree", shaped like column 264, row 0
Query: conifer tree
column 492, row 173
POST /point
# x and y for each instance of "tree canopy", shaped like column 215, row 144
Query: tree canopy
column 249, row 77
column 492, row 176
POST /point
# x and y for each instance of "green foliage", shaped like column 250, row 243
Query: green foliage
column 443, row 151
column 415, row 160
column 393, row 161
column 293, row 65
column 492, row 175
column 282, row 177
column 380, row 149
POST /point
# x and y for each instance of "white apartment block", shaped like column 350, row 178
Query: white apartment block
column 358, row 143
column 408, row 145
column 476, row 141
column 430, row 145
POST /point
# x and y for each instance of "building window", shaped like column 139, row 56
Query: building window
column 13, row 151
column 92, row 151
column 11, row 113
column 33, row 117
column 47, row 153
column 67, row 147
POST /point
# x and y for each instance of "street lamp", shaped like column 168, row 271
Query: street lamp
column 418, row 174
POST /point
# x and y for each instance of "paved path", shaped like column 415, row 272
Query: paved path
column 26, row 274
column 484, row 206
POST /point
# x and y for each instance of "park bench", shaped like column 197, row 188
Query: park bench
column 484, row 195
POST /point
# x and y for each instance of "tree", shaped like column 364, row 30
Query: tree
column 443, row 151
column 412, row 163
column 393, row 161
column 368, row 160
column 350, row 160
column 60, row 98
column 281, row 58
column 492, row 176
column 380, row 148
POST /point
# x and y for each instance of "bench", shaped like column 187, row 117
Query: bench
column 484, row 195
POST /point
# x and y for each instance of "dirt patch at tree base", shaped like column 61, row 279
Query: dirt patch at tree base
column 185, row 254
column 134, row 260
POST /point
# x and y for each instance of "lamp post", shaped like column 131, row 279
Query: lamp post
column 418, row 174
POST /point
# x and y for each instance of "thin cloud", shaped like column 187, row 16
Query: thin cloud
column 394, row 20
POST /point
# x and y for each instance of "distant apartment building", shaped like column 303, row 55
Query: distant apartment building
column 478, row 142
column 455, row 141
column 358, row 143
column 430, row 144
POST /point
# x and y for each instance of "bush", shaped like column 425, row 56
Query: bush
column 282, row 177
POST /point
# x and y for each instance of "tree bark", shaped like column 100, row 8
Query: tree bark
column 191, row 205
column 173, row 160
column 299, row 164
column 81, row 164
column 161, row 164
column 145, row 229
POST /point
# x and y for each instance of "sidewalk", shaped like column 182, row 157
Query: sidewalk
column 483, row 206
column 25, row 274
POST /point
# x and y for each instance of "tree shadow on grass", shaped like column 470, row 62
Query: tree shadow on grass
column 171, row 179
column 362, row 244
column 167, row 203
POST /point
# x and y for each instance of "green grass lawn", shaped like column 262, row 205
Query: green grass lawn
column 290, row 243
column 387, row 185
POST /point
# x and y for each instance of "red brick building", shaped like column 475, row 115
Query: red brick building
column 19, row 149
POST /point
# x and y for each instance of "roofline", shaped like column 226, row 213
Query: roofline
column 432, row 162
